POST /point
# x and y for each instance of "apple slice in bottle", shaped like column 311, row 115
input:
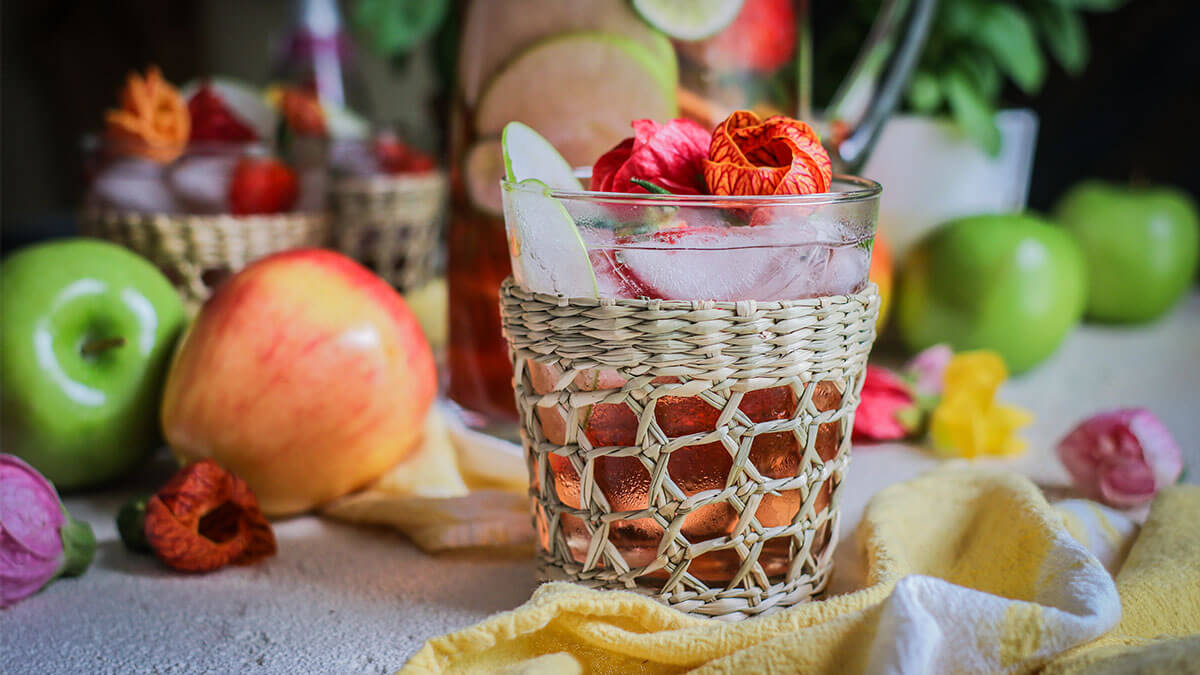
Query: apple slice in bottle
column 548, row 253
column 599, row 82
column 483, row 167
column 494, row 31
column 690, row 20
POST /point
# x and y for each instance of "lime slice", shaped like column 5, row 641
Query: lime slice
column 494, row 31
column 548, row 253
column 483, row 168
column 246, row 101
column 527, row 154
column 599, row 83
column 689, row 19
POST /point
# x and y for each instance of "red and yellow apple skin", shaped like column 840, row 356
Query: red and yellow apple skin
column 305, row 374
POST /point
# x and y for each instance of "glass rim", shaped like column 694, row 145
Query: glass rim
column 862, row 189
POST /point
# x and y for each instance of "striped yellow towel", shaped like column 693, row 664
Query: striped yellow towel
column 968, row 571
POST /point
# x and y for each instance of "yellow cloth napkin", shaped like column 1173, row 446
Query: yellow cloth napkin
column 968, row 571
column 440, row 503
column 1160, row 593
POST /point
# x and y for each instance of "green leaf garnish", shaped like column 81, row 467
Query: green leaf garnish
column 650, row 187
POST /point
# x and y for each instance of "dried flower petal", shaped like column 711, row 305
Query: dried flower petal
column 205, row 518
column 1121, row 457
column 886, row 410
column 928, row 369
column 668, row 155
column 153, row 121
column 776, row 156
column 969, row 422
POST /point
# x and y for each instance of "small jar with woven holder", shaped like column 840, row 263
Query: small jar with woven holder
column 196, row 252
column 690, row 450
column 391, row 224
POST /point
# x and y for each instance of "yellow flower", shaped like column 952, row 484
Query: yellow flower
column 968, row 422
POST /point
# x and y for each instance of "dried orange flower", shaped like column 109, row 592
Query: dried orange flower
column 153, row 120
column 776, row 156
column 205, row 518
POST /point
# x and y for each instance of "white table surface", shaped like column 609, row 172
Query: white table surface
column 342, row 599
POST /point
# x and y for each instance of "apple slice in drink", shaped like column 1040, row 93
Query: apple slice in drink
column 494, row 31
column 580, row 91
column 548, row 254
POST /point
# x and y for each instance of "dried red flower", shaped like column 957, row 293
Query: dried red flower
column 669, row 155
column 776, row 156
column 205, row 518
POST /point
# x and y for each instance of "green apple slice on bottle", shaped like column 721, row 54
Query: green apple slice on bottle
column 599, row 83
column 495, row 31
column 548, row 253
column 689, row 19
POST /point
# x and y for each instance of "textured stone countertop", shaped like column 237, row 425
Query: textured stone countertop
column 342, row 599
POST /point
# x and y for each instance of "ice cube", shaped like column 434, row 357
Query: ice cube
column 134, row 184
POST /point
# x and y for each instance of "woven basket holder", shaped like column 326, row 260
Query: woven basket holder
column 391, row 224
column 715, row 351
column 196, row 252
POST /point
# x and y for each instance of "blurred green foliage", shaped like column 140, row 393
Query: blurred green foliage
column 974, row 47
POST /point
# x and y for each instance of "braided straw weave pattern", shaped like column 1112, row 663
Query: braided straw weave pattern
column 196, row 251
column 391, row 224
column 716, row 351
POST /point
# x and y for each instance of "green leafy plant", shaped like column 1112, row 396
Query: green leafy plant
column 974, row 46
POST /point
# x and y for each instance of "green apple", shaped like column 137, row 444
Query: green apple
column 87, row 334
column 1141, row 246
column 1011, row 283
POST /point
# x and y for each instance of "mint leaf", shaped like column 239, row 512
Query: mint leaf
column 1065, row 36
column 1008, row 35
column 924, row 93
column 650, row 187
column 971, row 110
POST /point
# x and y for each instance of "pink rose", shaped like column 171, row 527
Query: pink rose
column 1122, row 457
column 886, row 410
column 669, row 155
column 38, row 540
column 928, row 368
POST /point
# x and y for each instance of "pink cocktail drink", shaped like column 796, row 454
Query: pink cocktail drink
column 690, row 248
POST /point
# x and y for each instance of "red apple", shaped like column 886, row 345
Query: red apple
column 305, row 374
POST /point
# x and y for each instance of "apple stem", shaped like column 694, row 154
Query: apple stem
column 96, row 346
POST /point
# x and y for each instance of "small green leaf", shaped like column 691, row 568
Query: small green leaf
column 1009, row 37
column 1090, row 5
column 971, row 110
column 924, row 93
column 957, row 19
column 979, row 66
column 650, row 187
column 1065, row 36
column 395, row 26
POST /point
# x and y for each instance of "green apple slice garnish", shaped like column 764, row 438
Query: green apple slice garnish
column 527, row 154
column 548, row 253
column 599, row 83
column 689, row 19
column 495, row 31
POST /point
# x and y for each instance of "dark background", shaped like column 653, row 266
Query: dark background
column 1132, row 115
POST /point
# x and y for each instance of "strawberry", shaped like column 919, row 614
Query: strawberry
column 262, row 185
column 762, row 38
column 212, row 120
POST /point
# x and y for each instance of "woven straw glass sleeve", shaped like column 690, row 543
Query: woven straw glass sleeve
column 689, row 451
